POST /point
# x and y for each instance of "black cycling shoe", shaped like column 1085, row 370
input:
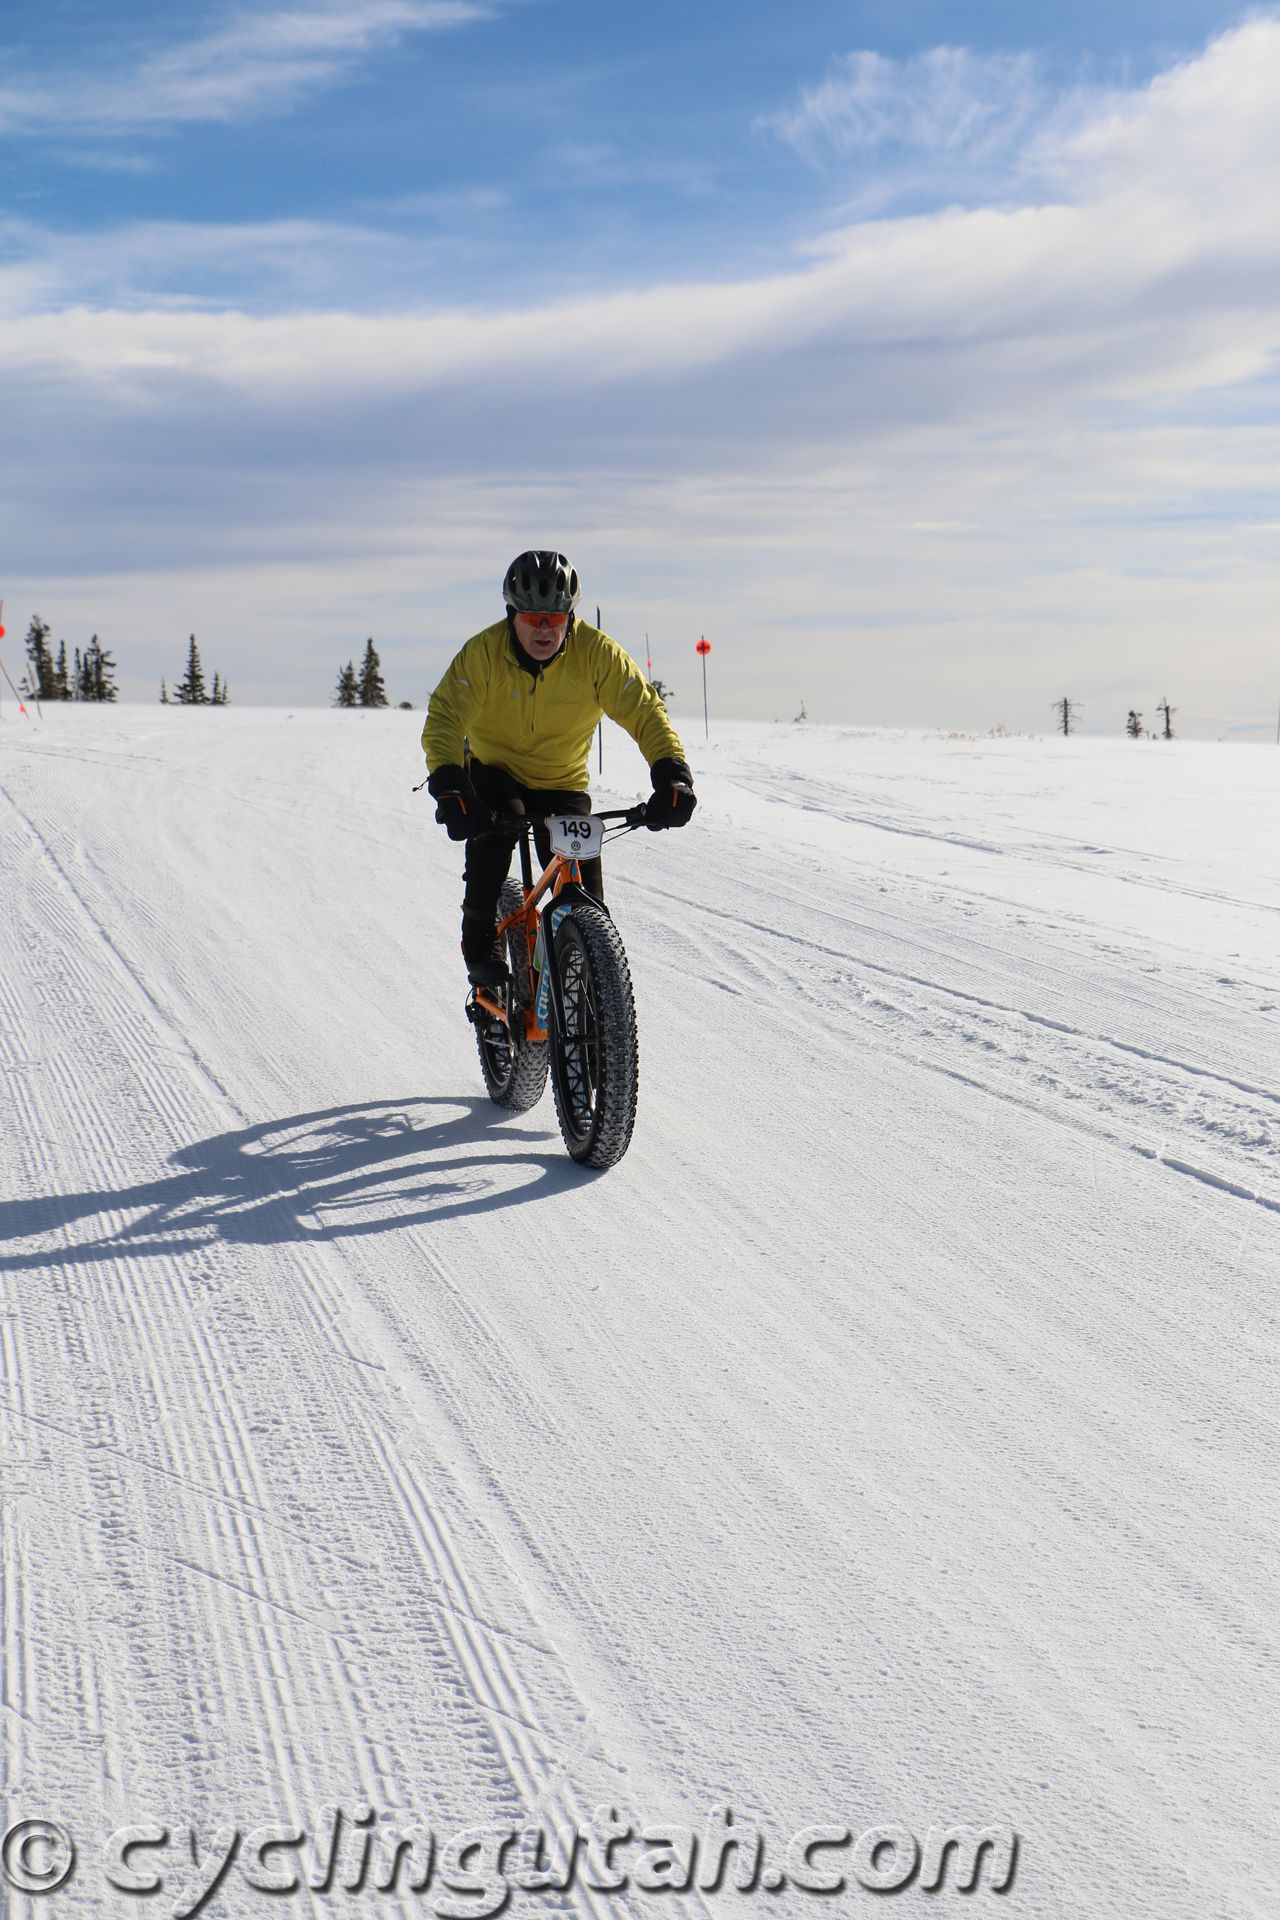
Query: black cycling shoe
column 487, row 969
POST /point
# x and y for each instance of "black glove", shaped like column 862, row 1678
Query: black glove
column 451, row 812
column 673, row 798
column 457, row 809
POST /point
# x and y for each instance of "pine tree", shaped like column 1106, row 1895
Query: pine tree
column 1162, row 706
column 164, row 694
column 1133, row 725
column 41, row 679
column 372, row 691
column 60, row 677
column 1067, row 711
column 348, row 689
column 100, row 671
column 191, row 688
column 221, row 695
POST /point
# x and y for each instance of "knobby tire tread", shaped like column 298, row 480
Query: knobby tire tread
column 514, row 1069
column 602, row 1141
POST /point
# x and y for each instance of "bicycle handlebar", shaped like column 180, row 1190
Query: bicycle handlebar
column 512, row 825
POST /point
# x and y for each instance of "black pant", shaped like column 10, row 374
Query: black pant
column 489, row 860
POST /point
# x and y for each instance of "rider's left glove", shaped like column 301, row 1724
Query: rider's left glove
column 673, row 799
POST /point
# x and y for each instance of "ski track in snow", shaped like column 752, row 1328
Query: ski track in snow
column 890, row 1438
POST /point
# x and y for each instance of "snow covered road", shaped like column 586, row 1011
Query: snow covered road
column 889, row 1440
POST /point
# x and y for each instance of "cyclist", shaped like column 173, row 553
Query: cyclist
column 525, row 697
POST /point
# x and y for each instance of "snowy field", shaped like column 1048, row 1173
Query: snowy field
column 890, row 1440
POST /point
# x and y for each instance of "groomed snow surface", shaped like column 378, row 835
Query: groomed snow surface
column 890, row 1439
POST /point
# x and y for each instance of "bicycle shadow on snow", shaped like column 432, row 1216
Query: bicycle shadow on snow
column 371, row 1167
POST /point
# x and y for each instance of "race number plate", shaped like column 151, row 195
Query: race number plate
column 576, row 836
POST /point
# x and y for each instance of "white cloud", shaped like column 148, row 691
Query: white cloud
column 257, row 62
column 1153, row 270
column 940, row 101
column 947, row 450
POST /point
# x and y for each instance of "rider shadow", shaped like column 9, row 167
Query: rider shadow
column 372, row 1167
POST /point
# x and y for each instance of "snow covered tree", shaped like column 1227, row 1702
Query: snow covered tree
column 347, row 693
column 219, row 697
column 164, row 694
column 42, row 676
column 61, row 678
column 191, row 690
column 372, row 691
column 1066, row 711
column 1162, row 706
column 1133, row 725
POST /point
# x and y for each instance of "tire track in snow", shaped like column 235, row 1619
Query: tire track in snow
column 214, row 1599
column 1053, row 850
column 1071, row 1062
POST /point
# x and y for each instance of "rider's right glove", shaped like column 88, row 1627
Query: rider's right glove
column 451, row 812
column 457, row 809
column 673, row 799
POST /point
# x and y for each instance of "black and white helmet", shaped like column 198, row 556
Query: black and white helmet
column 541, row 582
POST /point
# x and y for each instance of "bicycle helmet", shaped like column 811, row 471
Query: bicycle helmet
column 541, row 582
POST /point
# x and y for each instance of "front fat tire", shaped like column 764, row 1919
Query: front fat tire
column 596, row 1084
column 514, row 1068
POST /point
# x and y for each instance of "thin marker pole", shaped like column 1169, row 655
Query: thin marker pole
column 5, row 671
column 704, row 648
column 13, row 690
column 601, row 727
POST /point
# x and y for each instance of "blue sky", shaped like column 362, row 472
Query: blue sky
column 923, row 355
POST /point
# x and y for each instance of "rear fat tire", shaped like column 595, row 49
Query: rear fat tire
column 596, row 1083
column 514, row 1068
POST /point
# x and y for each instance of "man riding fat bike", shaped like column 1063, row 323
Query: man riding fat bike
column 526, row 695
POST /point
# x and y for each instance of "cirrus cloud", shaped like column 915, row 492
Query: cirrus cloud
column 257, row 62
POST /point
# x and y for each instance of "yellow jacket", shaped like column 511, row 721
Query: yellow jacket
column 539, row 727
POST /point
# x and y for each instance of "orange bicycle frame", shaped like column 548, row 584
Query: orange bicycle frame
column 558, row 872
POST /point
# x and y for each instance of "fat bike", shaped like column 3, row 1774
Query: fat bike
column 567, row 1008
